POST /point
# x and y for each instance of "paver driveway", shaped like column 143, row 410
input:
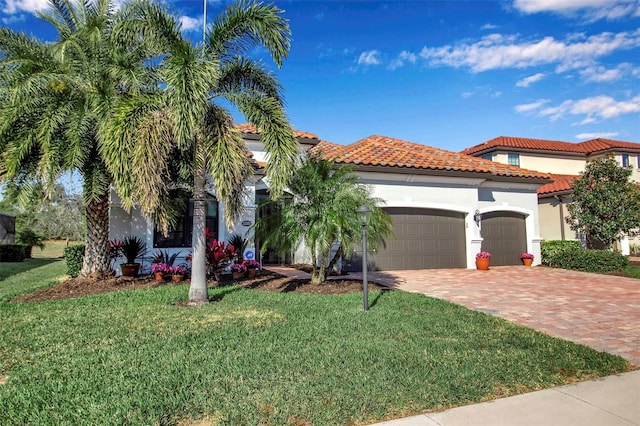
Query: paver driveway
column 600, row 311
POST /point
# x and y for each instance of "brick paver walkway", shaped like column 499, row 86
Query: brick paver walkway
column 599, row 311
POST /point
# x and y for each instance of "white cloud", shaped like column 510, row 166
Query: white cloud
column 16, row 6
column 600, row 74
column 497, row 51
column 403, row 57
column 190, row 24
column 527, row 81
column 603, row 107
column 488, row 27
column 369, row 57
column 591, row 10
column 532, row 106
column 596, row 135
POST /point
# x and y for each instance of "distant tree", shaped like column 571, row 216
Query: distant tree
column 605, row 203
column 58, row 217
column 320, row 210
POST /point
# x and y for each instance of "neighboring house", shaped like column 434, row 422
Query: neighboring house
column 565, row 161
column 445, row 206
column 7, row 228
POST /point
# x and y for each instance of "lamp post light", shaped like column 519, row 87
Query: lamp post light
column 364, row 214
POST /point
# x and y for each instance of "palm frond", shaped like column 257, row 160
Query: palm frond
column 271, row 122
column 227, row 160
column 246, row 25
column 242, row 74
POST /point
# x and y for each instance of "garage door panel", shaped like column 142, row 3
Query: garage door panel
column 504, row 236
column 424, row 238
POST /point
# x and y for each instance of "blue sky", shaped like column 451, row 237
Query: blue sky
column 446, row 74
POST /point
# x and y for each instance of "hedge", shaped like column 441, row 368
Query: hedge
column 570, row 255
column 14, row 252
column 73, row 257
column 549, row 250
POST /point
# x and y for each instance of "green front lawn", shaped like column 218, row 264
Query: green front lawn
column 632, row 271
column 254, row 357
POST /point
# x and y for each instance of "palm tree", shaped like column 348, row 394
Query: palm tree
column 187, row 120
column 320, row 210
column 55, row 97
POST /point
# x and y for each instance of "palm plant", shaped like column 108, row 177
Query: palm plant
column 319, row 211
column 186, row 118
column 54, row 98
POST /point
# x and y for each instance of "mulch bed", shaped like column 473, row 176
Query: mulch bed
column 267, row 281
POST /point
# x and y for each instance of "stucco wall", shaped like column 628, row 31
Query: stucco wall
column 552, row 215
column 548, row 164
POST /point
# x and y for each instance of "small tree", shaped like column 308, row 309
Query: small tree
column 605, row 203
column 320, row 210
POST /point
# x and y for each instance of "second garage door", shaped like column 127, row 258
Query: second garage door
column 504, row 236
column 424, row 238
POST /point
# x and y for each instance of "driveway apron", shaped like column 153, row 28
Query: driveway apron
column 600, row 311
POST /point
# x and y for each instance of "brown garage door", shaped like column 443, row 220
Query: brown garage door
column 424, row 238
column 504, row 236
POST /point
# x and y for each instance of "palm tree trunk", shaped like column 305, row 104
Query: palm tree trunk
column 96, row 255
column 198, row 294
column 319, row 273
column 335, row 258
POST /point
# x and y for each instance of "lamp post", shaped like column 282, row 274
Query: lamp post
column 364, row 214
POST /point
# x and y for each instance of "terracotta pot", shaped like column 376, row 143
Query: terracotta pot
column 527, row 262
column 159, row 276
column 483, row 264
column 251, row 272
column 129, row 269
column 237, row 275
column 177, row 278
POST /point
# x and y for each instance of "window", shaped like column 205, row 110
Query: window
column 638, row 161
column 180, row 235
column 488, row 157
column 513, row 159
column 625, row 160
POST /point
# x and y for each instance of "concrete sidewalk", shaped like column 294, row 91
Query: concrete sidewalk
column 612, row 401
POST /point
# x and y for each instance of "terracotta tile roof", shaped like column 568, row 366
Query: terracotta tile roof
column 585, row 148
column 389, row 152
column 561, row 183
column 249, row 128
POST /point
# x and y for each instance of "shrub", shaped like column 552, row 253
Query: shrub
column 73, row 257
column 28, row 237
column 14, row 252
column 590, row 260
column 551, row 249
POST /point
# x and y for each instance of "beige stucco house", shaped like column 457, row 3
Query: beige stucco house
column 565, row 161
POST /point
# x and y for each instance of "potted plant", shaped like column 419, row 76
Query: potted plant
column 238, row 270
column 177, row 273
column 159, row 269
column 131, row 248
column 164, row 262
column 219, row 256
column 240, row 244
column 527, row 259
column 483, row 260
column 252, row 266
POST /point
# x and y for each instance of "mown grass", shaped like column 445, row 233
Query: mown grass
column 31, row 274
column 53, row 249
column 632, row 271
column 265, row 358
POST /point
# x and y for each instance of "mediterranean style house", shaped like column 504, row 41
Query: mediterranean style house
column 445, row 206
column 564, row 161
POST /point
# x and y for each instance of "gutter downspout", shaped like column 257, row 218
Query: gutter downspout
column 562, row 235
